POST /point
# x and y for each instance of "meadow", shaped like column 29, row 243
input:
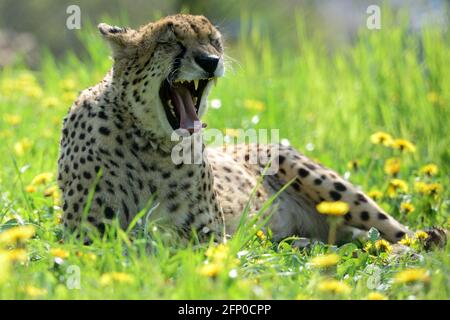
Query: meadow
column 376, row 110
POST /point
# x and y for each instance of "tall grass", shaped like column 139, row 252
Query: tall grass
column 326, row 103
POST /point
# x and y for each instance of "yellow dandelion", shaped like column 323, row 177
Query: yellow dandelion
column 232, row 132
column 421, row 235
column 324, row 261
column 383, row 246
column 430, row 169
column 42, row 178
column 5, row 267
column 392, row 166
column 428, row 188
column 403, row 145
column 334, row 286
column 52, row 192
column 407, row 207
column 17, row 234
column 375, row 194
column 68, row 97
column 412, row 275
column 254, row 105
column 368, row 246
column 33, row 91
column 22, row 146
column 376, row 296
column 30, row 188
column 59, row 253
column 397, row 186
column 407, row 241
column 16, row 255
column 35, row 292
column 12, row 119
column 218, row 253
column 433, row 97
column 115, row 277
column 353, row 165
column 333, row 208
column 68, row 84
column 50, row 102
column 210, row 269
column 260, row 234
column 381, row 138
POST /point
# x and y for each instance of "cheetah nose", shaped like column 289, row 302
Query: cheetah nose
column 208, row 63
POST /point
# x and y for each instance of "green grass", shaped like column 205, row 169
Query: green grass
column 327, row 104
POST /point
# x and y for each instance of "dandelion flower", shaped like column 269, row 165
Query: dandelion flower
column 375, row 194
column 35, row 291
column 218, row 253
column 12, row 119
column 376, row 296
column 407, row 241
column 17, row 234
column 112, row 277
column 50, row 102
column 421, row 235
column 5, row 267
column 403, row 145
column 210, row 269
column 432, row 97
column 260, row 234
column 381, row 138
column 254, row 105
column 324, row 261
column 353, row 165
column 68, row 84
column 333, row 208
column 430, row 169
column 30, row 188
column 334, row 286
column 428, row 188
column 59, row 253
column 397, row 186
column 232, row 132
column 412, row 275
column 383, row 246
column 22, row 146
column 16, row 255
column 407, row 207
column 42, row 178
column 392, row 166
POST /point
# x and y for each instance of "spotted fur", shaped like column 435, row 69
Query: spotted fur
column 118, row 128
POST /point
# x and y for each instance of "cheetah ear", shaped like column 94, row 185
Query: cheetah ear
column 120, row 39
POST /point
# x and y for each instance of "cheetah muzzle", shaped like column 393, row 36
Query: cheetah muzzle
column 116, row 141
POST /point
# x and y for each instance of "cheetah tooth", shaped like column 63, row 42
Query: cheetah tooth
column 196, row 84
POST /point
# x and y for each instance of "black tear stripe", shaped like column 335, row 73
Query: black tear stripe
column 177, row 62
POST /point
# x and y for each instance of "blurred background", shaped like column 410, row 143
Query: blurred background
column 26, row 26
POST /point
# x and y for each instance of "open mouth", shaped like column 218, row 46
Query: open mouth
column 181, row 101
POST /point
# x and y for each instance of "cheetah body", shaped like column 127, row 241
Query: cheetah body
column 116, row 146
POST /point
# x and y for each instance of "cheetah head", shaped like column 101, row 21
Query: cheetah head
column 167, row 69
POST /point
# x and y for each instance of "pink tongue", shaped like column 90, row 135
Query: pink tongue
column 182, row 100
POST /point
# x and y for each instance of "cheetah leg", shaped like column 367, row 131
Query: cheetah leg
column 318, row 183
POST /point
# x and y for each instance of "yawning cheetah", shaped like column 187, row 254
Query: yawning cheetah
column 160, row 81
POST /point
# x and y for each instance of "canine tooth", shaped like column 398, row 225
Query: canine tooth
column 196, row 84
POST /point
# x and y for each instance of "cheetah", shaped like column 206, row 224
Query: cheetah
column 116, row 148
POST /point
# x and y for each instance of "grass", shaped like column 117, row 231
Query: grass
column 327, row 104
